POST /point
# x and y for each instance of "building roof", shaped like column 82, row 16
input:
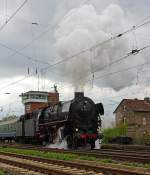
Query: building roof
column 34, row 92
column 38, row 92
column 135, row 105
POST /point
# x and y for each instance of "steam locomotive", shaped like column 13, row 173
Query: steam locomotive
column 77, row 121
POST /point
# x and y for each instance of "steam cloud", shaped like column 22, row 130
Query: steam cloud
column 82, row 28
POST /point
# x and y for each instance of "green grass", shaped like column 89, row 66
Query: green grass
column 131, row 164
column 107, row 161
column 2, row 172
column 50, row 155
column 134, row 164
column 71, row 157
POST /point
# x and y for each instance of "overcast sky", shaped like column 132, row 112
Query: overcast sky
column 45, row 32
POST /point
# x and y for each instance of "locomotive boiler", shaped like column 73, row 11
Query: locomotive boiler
column 77, row 121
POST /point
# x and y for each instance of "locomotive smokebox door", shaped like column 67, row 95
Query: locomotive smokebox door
column 100, row 108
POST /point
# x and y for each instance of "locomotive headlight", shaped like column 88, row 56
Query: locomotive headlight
column 77, row 129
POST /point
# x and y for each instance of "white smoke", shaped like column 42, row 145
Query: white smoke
column 59, row 145
column 59, row 142
column 82, row 28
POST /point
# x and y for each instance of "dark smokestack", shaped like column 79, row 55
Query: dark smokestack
column 79, row 94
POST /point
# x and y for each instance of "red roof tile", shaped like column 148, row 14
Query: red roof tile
column 136, row 105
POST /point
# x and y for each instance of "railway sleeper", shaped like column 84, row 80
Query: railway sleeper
column 17, row 170
column 35, row 165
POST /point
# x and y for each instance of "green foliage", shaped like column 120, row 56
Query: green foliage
column 106, row 161
column 89, row 158
column 50, row 155
column 2, row 172
column 109, row 133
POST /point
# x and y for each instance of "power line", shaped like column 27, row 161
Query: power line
column 100, row 44
column 12, row 16
column 34, row 39
column 133, row 93
column 133, row 52
column 75, row 55
column 102, row 76
column 70, row 97
column 104, row 97
column 135, row 27
column 26, row 56
column 14, row 82
column 104, row 42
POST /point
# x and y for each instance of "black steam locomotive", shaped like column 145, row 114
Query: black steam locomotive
column 77, row 121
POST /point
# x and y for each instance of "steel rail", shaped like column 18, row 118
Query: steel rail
column 123, row 156
column 106, row 170
column 114, row 154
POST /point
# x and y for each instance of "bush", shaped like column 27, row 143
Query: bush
column 110, row 133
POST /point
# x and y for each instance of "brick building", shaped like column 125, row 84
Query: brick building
column 136, row 114
column 33, row 100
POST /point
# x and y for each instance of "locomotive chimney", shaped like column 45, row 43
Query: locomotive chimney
column 79, row 94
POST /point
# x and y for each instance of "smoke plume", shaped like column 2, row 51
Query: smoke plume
column 83, row 28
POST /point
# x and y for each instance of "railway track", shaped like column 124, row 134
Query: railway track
column 126, row 147
column 35, row 165
column 121, row 155
column 116, row 155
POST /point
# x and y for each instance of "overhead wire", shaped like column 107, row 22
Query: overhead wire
column 99, row 44
column 75, row 55
column 135, row 27
column 68, row 98
column 23, row 55
column 99, row 77
column 15, row 82
column 34, row 39
column 114, row 62
column 12, row 16
column 133, row 52
column 28, row 44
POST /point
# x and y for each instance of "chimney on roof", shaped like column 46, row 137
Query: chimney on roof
column 147, row 99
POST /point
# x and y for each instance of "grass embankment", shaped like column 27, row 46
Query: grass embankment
column 71, row 157
column 2, row 172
